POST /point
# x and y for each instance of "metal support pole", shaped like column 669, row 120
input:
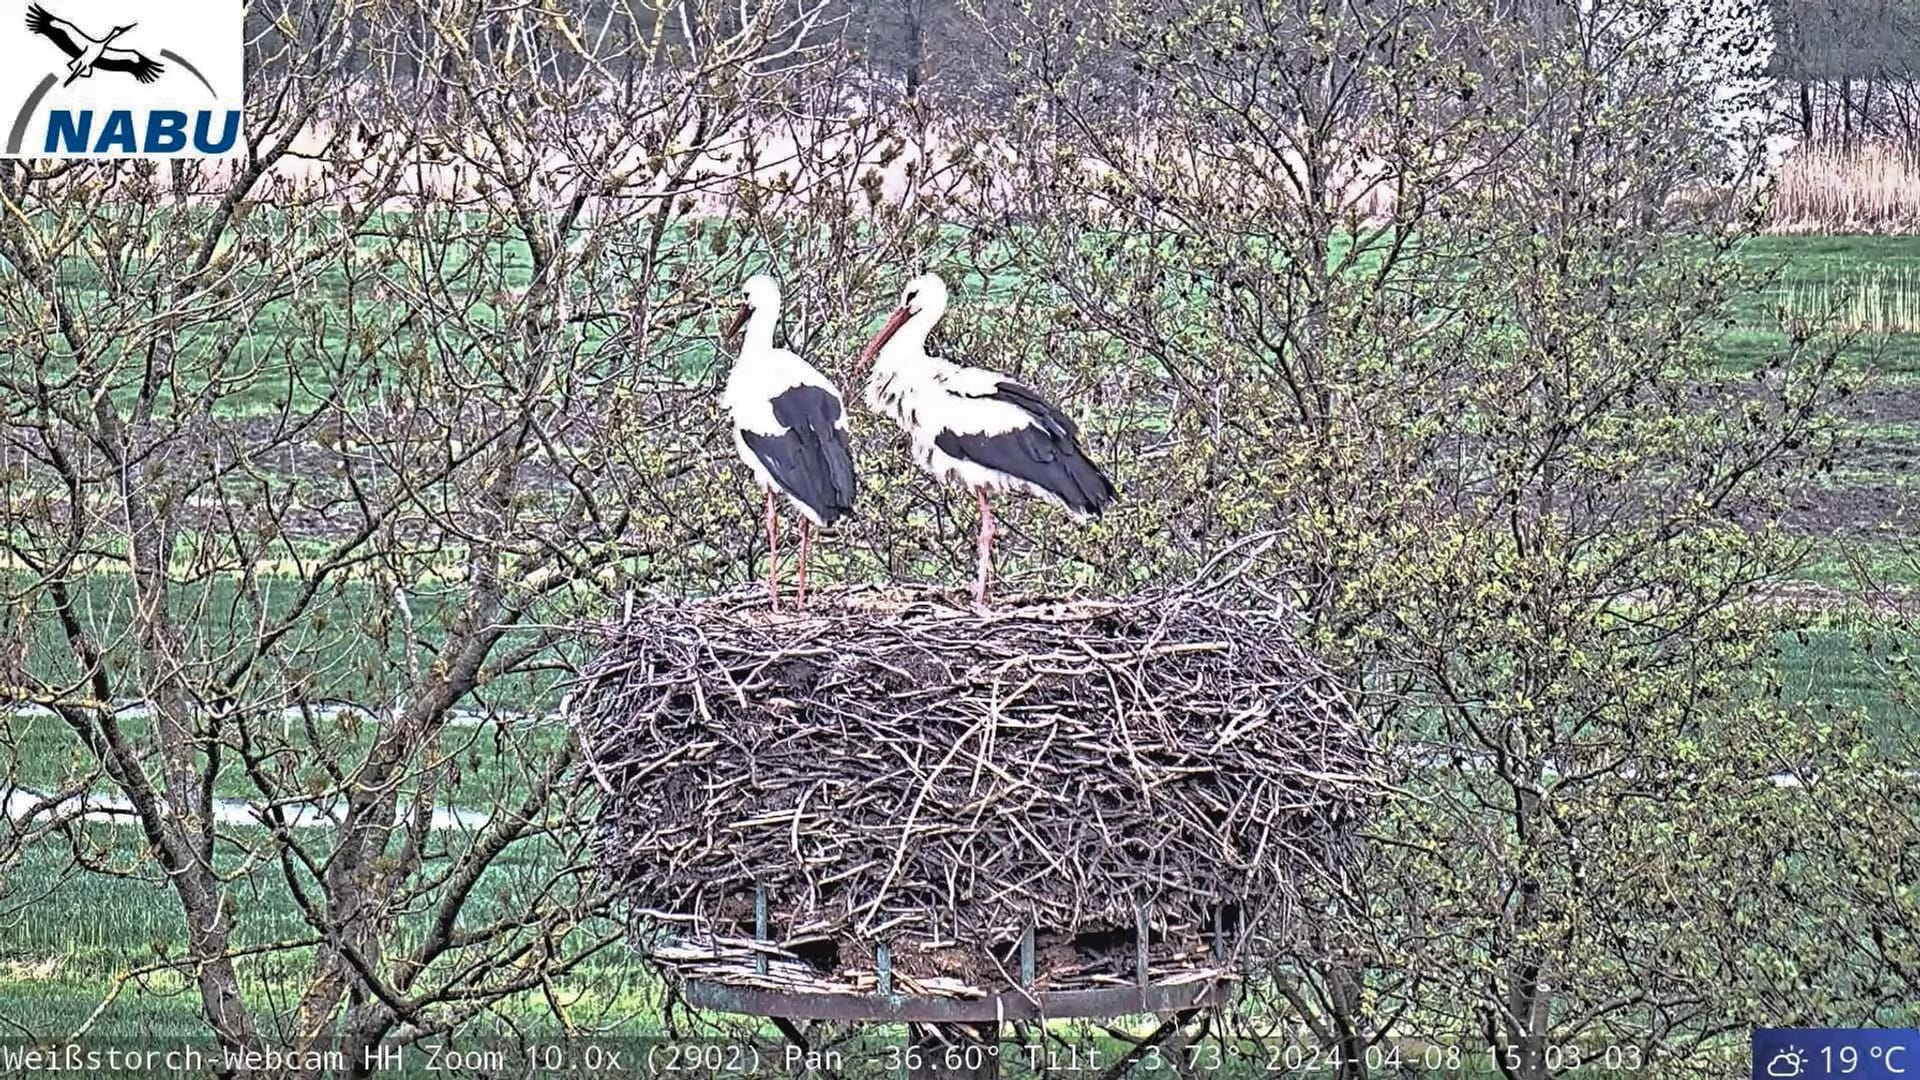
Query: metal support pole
column 760, row 926
column 1140, row 944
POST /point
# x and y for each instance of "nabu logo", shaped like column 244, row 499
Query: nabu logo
column 122, row 78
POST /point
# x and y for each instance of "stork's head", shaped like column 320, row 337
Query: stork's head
column 922, row 302
column 118, row 30
column 926, row 293
column 759, row 293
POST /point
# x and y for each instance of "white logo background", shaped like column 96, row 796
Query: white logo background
column 200, row 35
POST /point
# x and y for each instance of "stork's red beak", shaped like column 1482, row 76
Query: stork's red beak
column 739, row 320
column 894, row 323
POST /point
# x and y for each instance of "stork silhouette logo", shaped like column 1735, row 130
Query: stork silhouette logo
column 122, row 78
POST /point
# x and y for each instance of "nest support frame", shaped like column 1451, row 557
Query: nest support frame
column 958, row 1038
column 745, row 991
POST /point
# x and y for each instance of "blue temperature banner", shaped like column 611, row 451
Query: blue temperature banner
column 1833, row 1053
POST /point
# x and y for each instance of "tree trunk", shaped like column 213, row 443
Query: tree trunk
column 916, row 50
column 1846, row 113
column 1349, row 1013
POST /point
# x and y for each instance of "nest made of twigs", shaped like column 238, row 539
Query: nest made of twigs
column 891, row 768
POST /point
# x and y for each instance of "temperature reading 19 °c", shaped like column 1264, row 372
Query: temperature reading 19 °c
column 1845, row 1060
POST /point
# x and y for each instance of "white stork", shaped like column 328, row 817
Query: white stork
column 790, row 427
column 88, row 53
column 974, row 427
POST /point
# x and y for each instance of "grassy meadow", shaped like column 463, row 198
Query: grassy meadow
column 68, row 942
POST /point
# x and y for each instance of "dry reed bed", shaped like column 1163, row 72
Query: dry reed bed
column 1869, row 189
column 894, row 769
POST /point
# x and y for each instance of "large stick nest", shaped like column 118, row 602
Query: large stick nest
column 892, row 769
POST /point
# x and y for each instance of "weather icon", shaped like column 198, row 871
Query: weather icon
column 1786, row 1063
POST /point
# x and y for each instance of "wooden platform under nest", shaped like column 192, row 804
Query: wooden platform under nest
column 893, row 769
column 745, row 962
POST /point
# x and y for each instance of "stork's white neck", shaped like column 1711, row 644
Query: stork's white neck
column 758, row 337
column 910, row 341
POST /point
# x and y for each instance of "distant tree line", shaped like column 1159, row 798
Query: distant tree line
column 1847, row 66
column 1850, row 69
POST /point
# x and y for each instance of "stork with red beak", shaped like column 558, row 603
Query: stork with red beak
column 974, row 427
column 790, row 427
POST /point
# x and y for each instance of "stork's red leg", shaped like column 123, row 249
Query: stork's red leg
column 773, row 553
column 985, row 546
column 806, row 541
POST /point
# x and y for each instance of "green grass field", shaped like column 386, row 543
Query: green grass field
column 67, row 942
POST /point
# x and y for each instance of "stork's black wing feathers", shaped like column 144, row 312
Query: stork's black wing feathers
column 1033, row 455
column 132, row 63
column 54, row 30
column 1047, row 452
column 811, row 462
column 1050, row 417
